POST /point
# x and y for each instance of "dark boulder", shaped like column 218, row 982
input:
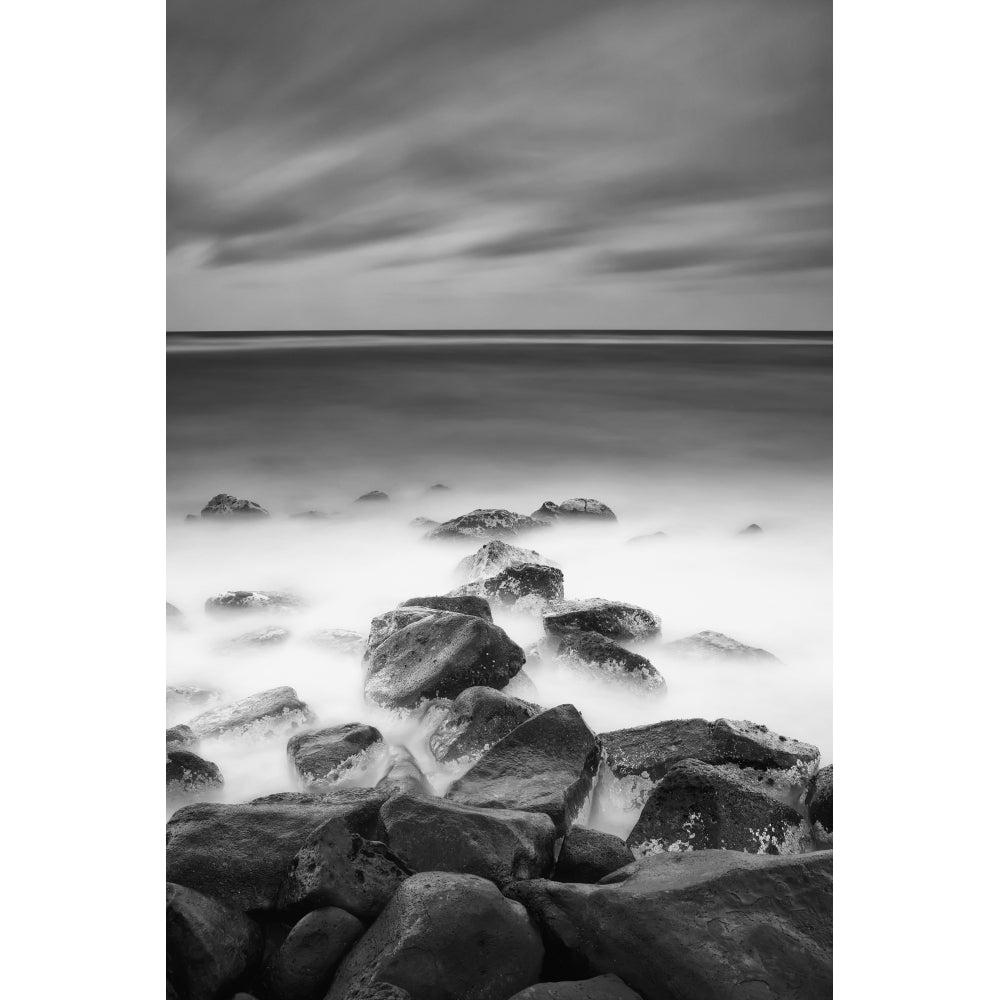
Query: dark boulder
column 576, row 508
column 703, row 925
column 303, row 967
column 210, row 946
column 477, row 719
column 522, row 587
column 260, row 638
column 462, row 604
column 359, row 806
column 263, row 714
column 224, row 505
column 321, row 756
column 589, row 855
column 697, row 806
column 187, row 773
column 437, row 655
column 445, row 937
column 545, row 765
column 714, row 645
column 485, row 523
column 820, row 799
column 495, row 556
column 337, row 867
column 502, row 845
column 613, row 619
column 340, row 639
column 372, row 495
column 597, row 655
column 252, row 600
column 182, row 738
column 608, row 987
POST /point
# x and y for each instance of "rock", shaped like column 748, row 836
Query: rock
column 322, row 756
column 704, row 925
column 263, row 714
column 523, row 687
column 341, row 639
column 377, row 991
column 445, row 937
column 485, row 523
column 463, row 605
column 252, row 600
column 437, row 655
column 261, row 638
column 180, row 698
column 187, row 773
column 575, row 509
column 210, row 946
column 224, row 505
column 424, row 522
column 696, row 806
column 714, row 645
column 373, row 495
column 437, row 488
column 502, row 845
column 403, row 775
column 613, row 619
column 337, row 867
column 241, row 853
column 477, row 719
column 819, row 802
column 522, row 587
column 653, row 536
column 597, row 655
column 589, row 855
column 175, row 619
column 182, row 738
column 608, row 987
column 303, row 966
column 191, row 517
column 546, row 765
column 752, row 529
column 495, row 556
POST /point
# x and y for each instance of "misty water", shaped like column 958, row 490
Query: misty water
column 694, row 439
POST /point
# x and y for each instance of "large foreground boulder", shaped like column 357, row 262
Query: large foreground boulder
column 210, row 946
column 698, row 806
column 463, row 604
column 495, row 556
column 252, row 600
column 438, row 654
column 445, row 937
column 477, row 719
column 223, row 505
column 526, row 587
column 598, row 656
column 714, row 646
column 577, row 508
column 608, row 987
column 704, row 925
column 188, row 774
column 613, row 619
column 589, row 855
column 263, row 714
column 502, row 845
column 485, row 523
column 322, row 756
column 545, row 765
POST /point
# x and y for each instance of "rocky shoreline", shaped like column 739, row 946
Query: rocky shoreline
column 369, row 882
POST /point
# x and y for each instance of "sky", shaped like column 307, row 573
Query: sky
column 488, row 164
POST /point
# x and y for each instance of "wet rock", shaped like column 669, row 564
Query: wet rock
column 445, row 937
column 714, row 645
column 252, row 600
column 425, row 523
column 182, row 738
column 260, row 638
column 495, row 556
column 436, row 655
column 337, row 867
column 188, row 773
column 226, row 506
column 820, row 799
column 502, row 845
column 322, row 756
column 263, row 714
column 403, row 775
column 341, row 639
column 241, row 853
column 704, row 925
column 608, row 987
column 303, row 967
column 545, row 765
column 374, row 495
column 577, row 508
column 697, row 806
column 589, row 855
column 612, row 619
column 752, row 529
column 210, row 946
column 477, row 719
column 599, row 656
column 462, row 604
column 359, row 806
column 522, row 587
column 485, row 523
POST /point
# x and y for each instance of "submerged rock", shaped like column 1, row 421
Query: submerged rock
column 604, row 658
column 752, row 529
column 437, row 488
column 403, row 775
column 714, row 645
column 461, row 603
column 424, row 522
column 495, row 556
column 477, row 719
column 705, row 925
column 820, row 799
column 545, row 765
column 479, row 523
column 259, row 638
column 576, row 508
column 188, row 773
column 608, row 987
column 311, row 515
column 372, row 495
column 589, row 855
column 322, row 756
column 520, row 587
column 188, row 696
column 613, row 619
column 341, row 639
column 252, row 600
column 263, row 714
column 224, row 505
column 445, row 937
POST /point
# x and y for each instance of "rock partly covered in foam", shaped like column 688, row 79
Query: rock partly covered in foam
column 714, row 645
column 612, row 619
column 224, row 505
column 477, row 719
column 589, row 855
column 322, row 756
column 252, row 600
column 604, row 658
column 464, row 604
column 702, row 925
column 495, row 556
column 261, row 714
column 520, row 587
column 573, row 509
column 485, row 523
column 187, row 773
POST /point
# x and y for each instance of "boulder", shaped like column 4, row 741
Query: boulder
column 182, row 738
column 752, row 529
column 545, row 765
column 241, row 853
column 261, row 714
column 819, row 801
column 613, row 619
column 599, row 656
column 576, row 508
column 372, row 495
column 495, row 556
column 714, row 645
column 188, row 773
column 589, row 855
column 480, row 523
column 322, row 756
column 521, row 587
column 697, row 806
column 502, row 845
column 403, row 775
column 340, row 639
column 336, row 867
column 608, row 987
column 477, row 719
column 210, row 946
column 359, row 806
column 445, row 937
column 703, row 925
column 251, row 600
column 224, row 505
column 303, row 967
column 437, row 655
column 261, row 638
column 462, row 604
